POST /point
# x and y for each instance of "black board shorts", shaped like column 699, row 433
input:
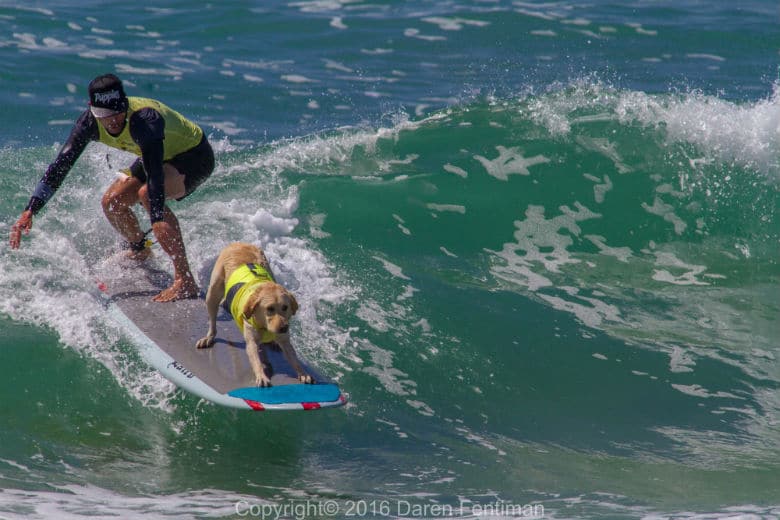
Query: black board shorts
column 196, row 164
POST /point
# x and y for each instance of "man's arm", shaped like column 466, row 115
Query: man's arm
column 147, row 128
column 83, row 131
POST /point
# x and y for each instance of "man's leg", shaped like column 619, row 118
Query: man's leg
column 168, row 234
column 118, row 202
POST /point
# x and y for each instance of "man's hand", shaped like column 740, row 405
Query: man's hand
column 24, row 224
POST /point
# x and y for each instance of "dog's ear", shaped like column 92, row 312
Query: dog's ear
column 293, row 302
column 252, row 302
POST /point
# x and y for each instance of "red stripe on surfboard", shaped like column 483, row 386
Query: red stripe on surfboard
column 255, row 405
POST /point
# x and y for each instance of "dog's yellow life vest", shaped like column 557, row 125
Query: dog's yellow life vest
column 240, row 285
column 181, row 134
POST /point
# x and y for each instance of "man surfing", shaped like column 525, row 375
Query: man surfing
column 174, row 158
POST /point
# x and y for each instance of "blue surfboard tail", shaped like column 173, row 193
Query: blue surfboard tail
column 296, row 397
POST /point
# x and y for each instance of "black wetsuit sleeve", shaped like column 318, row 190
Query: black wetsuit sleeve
column 147, row 128
column 84, row 131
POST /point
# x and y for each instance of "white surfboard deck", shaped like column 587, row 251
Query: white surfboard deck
column 166, row 333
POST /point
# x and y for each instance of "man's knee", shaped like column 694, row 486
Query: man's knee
column 143, row 196
column 122, row 193
column 113, row 200
column 107, row 200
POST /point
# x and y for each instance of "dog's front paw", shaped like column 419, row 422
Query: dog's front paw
column 263, row 381
column 205, row 342
column 306, row 379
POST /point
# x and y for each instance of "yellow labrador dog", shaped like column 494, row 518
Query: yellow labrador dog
column 261, row 308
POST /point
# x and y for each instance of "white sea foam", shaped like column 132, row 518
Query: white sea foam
column 623, row 254
column 253, row 78
column 593, row 312
column 392, row 268
column 675, row 271
column 699, row 391
column 377, row 51
column 666, row 211
column 722, row 129
column 332, row 153
column 703, row 56
column 510, row 161
column 270, row 65
column 126, row 68
column 600, row 190
column 337, row 22
column 746, row 133
column 297, row 78
column 453, row 208
column 606, row 148
column 454, row 24
column 415, row 33
column 392, row 379
column 460, row 172
column 40, row 10
column 540, row 242
column 337, row 65
column 71, row 502
column 447, row 252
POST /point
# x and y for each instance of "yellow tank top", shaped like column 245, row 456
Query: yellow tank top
column 240, row 285
column 181, row 134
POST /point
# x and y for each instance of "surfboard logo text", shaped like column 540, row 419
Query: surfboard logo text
column 178, row 366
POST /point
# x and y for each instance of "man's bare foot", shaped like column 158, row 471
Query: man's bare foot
column 182, row 289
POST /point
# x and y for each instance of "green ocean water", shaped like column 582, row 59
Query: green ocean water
column 536, row 244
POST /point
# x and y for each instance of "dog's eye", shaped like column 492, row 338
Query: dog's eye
column 284, row 308
column 270, row 310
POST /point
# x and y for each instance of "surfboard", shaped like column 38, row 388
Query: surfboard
column 166, row 333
